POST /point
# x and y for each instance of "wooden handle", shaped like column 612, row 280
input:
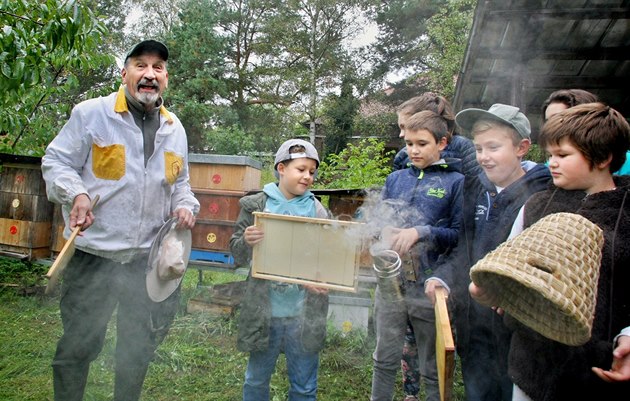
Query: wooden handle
column 65, row 254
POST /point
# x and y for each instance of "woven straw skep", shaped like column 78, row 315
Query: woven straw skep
column 546, row 277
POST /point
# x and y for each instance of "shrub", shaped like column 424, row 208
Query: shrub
column 363, row 165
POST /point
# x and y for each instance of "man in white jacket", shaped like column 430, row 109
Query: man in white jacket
column 133, row 153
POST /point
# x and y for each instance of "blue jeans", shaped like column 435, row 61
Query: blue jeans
column 284, row 336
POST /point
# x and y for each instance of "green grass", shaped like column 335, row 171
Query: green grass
column 197, row 361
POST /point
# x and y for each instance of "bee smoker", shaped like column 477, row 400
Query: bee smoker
column 387, row 266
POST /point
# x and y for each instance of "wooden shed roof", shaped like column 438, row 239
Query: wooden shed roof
column 519, row 51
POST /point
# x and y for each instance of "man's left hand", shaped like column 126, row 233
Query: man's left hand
column 185, row 219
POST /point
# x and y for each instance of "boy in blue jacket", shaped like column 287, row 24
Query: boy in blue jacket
column 491, row 202
column 426, row 197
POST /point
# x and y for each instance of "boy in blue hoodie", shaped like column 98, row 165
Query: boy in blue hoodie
column 426, row 198
column 492, row 200
column 278, row 317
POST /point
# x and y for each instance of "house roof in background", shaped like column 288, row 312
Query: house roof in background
column 519, row 51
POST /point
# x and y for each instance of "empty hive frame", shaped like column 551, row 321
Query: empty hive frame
column 305, row 250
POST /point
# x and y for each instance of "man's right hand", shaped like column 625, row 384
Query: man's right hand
column 81, row 213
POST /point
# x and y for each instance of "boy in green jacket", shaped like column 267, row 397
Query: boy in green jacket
column 279, row 317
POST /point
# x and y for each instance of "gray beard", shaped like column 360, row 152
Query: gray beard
column 147, row 98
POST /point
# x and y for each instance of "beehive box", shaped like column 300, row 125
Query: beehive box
column 57, row 241
column 212, row 235
column 343, row 203
column 20, row 206
column 225, row 172
column 25, row 212
column 216, row 220
column 218, row 204
column 26, row 238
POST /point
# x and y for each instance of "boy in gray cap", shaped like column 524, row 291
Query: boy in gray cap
column 280, row 317
column 492, row 200
column 586, row 144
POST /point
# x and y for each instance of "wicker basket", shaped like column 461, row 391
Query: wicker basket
column 546, row 277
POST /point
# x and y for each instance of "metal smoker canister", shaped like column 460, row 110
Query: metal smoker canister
column 387, row 265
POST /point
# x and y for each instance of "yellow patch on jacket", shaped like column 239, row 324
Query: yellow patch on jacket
column 173, row 166
column 108, row 162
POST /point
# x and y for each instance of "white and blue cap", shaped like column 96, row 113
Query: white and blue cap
column 283, row 152
column 503, row 113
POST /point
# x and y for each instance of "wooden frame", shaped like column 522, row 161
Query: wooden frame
column 444, row 345
column 305, row 250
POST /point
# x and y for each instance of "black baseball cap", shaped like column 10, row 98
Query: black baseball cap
column 148, row 46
